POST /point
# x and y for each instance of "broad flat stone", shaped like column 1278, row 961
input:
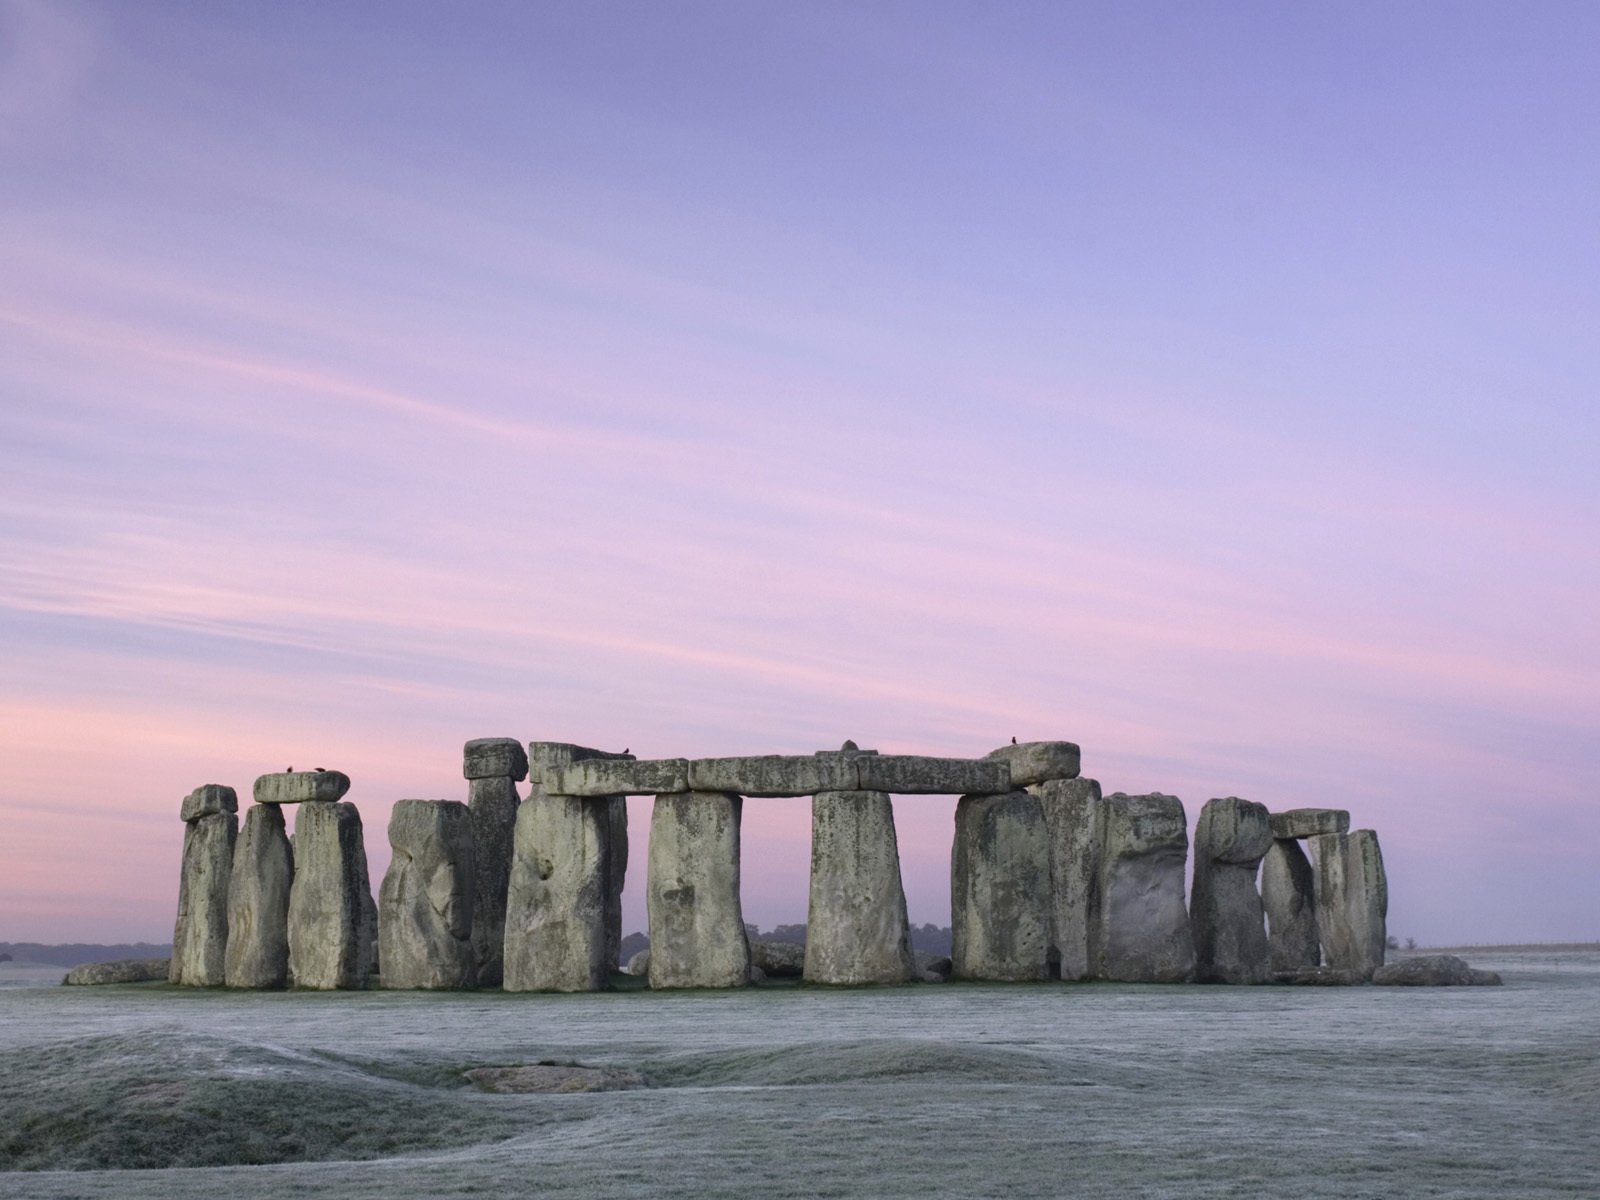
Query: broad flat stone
column 426, row 901
column 1073, row 817
column 1230, row 934
column 1319, row 977
column 914, row 774
column 1433, row 970
column 547, row 756
column 209, row 800
column 856, row 927
column 1144, row 927
column 1310, row 822
column 124, row 970
column 1352, row 900
column 1288, row 897
column 1039, row 762
column 487, row 758
column 258, row 901
column 200, row 937
column 697, row 933
column 618, row 777
column 1000, row 888
column 780, row 960
column 332, row 916
column 301, row 787
column 493, row 802
column 775, row 774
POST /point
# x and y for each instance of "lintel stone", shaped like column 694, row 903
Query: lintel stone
column 618, row 777
column 209, row 799
column 1039, row 762
column 301, row 787
column 775, row 774
column 488, row 758
column 1309, row 822
column 912, row 774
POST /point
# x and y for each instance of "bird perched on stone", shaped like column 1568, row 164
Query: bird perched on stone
column 1013, row 741
column 319, row 770
column 288, row 770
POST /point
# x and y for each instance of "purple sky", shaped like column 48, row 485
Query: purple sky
column 1214, row 386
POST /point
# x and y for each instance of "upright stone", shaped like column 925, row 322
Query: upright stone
column 426, row 903
column 856, row 928
column 1073, row 819
column 200, row 937
column 332, row 934
column 1352, row 900
column 1230, row 935
column 492, row 767
column 1000, row 898
column 258, row 901
column 1144, row 928
column 1288, row 896
column 697, row 934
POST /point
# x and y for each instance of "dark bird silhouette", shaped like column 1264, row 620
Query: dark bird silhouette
column 287, row 770
column 625, row 750
column 319, row 770
column 1013, row 741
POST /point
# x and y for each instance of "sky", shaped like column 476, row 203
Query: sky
column 1212, row 386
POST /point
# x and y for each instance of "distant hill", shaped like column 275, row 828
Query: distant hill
column 82, row 952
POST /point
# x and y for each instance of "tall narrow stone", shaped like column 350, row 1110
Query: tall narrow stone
column 1352, row 900
column 1144, row 926
column 856, row 927
column 616, row 809
column 1230, row 934
column 1073, row 817
column 492, row 767
column 558, row 928
column 1000, row 899
column 426, row 903
column 697, row 934
column 258, row 901
column 332, row 918
column 1288, row 895
column 200, row 937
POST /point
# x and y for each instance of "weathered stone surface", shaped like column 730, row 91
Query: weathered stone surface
column 1144, row 927
column 208, row 800
column 1309, row 822
column 1039, row 762
column 1352, row 900
column 301, row 787
column 1225, row 913
column 553, row 1078
column 425, row 904
column 547, row 756
column 488, row 758
column 697, row 934
column 856, row 928
column 258, row 902
column 1073, row 817
column 332, row 917
column 124, row 970
column 1319, row 977
column 639, row 964
column 493, row 802
column 558, row 935
column 616, row 812
column 1288, row 897
column 934, row 968
column 774, row 774
column 200, row 937
column 1433, row 970
column 780, row 960
column 913, row 774
column 1000, row 898
column 618, row 777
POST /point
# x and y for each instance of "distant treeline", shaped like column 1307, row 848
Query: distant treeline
column 930, row 939
column 81, row 952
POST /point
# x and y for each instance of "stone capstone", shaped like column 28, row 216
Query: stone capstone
column 301, row 787
column 124, row 970
column 1000, row 888
column 1230, row 936
column 258, row 902
column 1433, row 970
column 208, row 801
column 774, row 774
column 200, row 936
column 1309, row 822
column 1073, row 817
column 491, row 758
column 779, row 775
column 1038, row 762
column 332, row 917
column 1352, row 900
column 425, row 904
column 617, row 777
column 913, row 774
column 856, row 927
column 1288, row 897
column 697, row 934
column 1144, row 932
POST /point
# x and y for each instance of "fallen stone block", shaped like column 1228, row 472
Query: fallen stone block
column 332, row 916
column 208, row 801
column 1144, row 926
column 856, row 926
column 618, row 777
column 425, row 903
column 258, row 902
column 780, row 960
column 1000, row 888
column 124, row 970
column 1073, row 817
column 1039, row 762
column 774, row 774
column 1433, row 970
column 1352, row 900
column 302, row 787
column 1319, row 977
column 487, row 758
column 1225, row 911
column 200, row 936
column 913, row 774
column 697, row 933
column 1310, row 822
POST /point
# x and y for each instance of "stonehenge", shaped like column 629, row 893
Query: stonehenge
column 1050, row 879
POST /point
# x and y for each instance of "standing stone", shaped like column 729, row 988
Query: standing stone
column 1230, row 935
column 425, row 906
column 856, row 928
column 1000, row 898
column 697, row 934
column 616, row 809
column 492, row 767
column 1144, row 928
column 200, row 937
column 1352, row 900
column 258, row 902
column 1073, row 818
column 1288, row 895
column 332, row 919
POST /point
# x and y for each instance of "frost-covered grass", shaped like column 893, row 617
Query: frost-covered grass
column 1090, row 1090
